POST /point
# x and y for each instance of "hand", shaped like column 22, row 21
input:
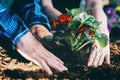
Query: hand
column 98, row 55
column 39, row 31
column 32, row 50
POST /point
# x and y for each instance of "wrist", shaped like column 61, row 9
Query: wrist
column 19, row 36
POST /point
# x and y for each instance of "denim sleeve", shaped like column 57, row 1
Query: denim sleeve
column 11, row 25
column 32, row 14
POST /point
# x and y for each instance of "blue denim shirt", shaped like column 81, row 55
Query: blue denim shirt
column 31, row 12
column 13, row 25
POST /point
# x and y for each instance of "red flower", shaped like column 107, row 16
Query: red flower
column 64, row 19
column 53, row 23
column 82, row 29
column 91, row 32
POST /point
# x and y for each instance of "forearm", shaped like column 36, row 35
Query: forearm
column 49, row 10
column 11, row 25
column 30, row 11
column 99, row 14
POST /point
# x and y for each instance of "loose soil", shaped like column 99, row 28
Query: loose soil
column 14, row 66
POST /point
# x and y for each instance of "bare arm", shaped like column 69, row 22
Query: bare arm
column 48, row 8
column 98, row 54
column 99, row 14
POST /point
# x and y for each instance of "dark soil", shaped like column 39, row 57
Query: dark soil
column 14, row 66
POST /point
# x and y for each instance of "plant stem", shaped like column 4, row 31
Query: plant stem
column 79, row 26
column 83, row 45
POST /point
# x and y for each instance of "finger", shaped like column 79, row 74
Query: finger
column 37, row 61
column 50, row 58
column 55, row 65
column 97, row 57
column 40, row 62
column 45, row 66
column 43, row 32
column 51, row 61
column 91, row 57
column 56, row 58
column 101, row 60
column 107, row 58
column 60, row 64
column 50, row 55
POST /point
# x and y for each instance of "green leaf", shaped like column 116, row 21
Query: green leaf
column 91, row 21
column 74, row 24
column 103, row 40
column 83, row 17
column 73, row 12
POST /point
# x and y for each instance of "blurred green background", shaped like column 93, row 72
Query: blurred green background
column 116, row 2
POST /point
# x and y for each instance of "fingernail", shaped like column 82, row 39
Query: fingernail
column 88, row 65
column 50, row 73
column 99, row 64
column 96, row 66
column 66, row 68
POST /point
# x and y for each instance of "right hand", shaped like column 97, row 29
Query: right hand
column 32, row 49
column 98, row 55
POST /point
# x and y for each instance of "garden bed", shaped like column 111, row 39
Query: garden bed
column 13, row 66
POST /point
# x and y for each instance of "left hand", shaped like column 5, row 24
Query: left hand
column 39, row 31
column 98, row 55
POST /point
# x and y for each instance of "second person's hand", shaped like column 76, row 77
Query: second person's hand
column 98, row 55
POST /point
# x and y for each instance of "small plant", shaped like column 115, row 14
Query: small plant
column 76, row 29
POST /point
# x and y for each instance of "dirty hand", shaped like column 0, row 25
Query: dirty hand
column 39, row 31
column 32, row 49
column 98, row 55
